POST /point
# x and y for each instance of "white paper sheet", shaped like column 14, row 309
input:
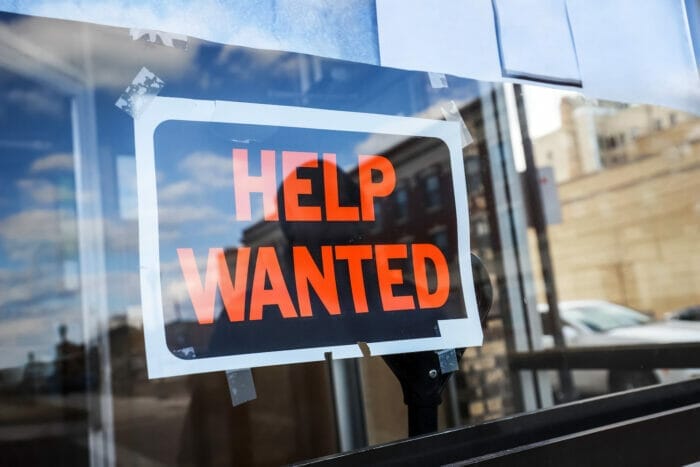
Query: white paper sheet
column 453, row 37
column 636, row 51
column 535, row 40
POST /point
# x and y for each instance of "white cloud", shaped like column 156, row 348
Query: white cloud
column 168, row 268
column 20, row 286
column 188, row 213
column 52, row 162
column 169, row 235
column 209, row 169
column 178, row 191
column 176, row 292
column 41, row 191
column 32, row 145
column 217, row 228
column 121, row 235
column 38, row 101
column 36, row 225
column 27, row 234
column 124, row 286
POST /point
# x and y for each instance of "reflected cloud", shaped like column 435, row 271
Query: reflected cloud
column 28, row 145
column 40, row 191
column 21, row 287
column 177, row 215
column 179, row 191
column 53, row 162
column 25, row 234
column 36, row 101
column 121, row 235
column 208, row 168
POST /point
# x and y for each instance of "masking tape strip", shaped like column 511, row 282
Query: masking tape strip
column 437, row 80
column 178, row 41
column 451, row 114
column 143, row 89
column 241, row 386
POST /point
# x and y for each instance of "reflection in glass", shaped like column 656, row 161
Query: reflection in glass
column 626, row 179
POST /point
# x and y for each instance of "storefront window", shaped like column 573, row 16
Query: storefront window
column 619, row 199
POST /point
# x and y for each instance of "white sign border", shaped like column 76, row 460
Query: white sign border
column 454, row 333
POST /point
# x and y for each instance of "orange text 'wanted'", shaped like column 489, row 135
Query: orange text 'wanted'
column 309, row 275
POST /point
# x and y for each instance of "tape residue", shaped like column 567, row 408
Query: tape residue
column 437, row 80
column 451, row 114
column 178, row 41
column 143, row 89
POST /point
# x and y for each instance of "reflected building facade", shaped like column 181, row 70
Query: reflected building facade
column 627, row 182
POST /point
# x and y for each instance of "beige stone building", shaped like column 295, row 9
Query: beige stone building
column 629, row 189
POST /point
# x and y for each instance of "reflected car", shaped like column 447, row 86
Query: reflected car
column 591, row 323
column 691, row 313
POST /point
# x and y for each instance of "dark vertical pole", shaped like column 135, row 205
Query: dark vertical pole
column 422, row 420
column 534, row 197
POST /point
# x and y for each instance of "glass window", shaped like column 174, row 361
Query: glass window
column 600, row 255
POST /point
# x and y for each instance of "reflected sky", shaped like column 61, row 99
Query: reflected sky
column 38, row 254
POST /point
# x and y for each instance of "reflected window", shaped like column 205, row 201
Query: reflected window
column 440, row 239
column 481, row 228
column 401, row 205
column 433, row 198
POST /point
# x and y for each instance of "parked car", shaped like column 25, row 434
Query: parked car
column 590, row 323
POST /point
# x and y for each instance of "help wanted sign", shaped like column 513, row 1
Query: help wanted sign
column 272, row 235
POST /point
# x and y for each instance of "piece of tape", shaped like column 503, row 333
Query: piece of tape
column 241, row 386
column 451, row 114
column 437, row 80
column 143, row 89
column 448, row 361
column 178, row 41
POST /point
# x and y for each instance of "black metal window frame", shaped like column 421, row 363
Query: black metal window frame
column 658, row 425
